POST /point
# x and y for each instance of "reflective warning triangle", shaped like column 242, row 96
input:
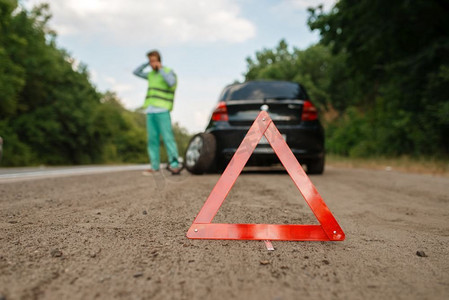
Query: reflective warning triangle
column 202, row 228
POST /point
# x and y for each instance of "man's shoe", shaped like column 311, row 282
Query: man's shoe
column 175, row 171
column 149, row 172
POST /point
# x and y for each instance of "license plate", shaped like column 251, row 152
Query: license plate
column 264, row 141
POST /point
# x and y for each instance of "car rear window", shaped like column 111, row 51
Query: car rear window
column 258, row 90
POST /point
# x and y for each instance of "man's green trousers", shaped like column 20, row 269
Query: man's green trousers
column 159, row 124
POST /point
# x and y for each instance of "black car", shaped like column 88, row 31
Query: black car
column 239, row 104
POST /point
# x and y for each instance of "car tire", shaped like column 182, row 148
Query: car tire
column 200, row 153
column 316, row 166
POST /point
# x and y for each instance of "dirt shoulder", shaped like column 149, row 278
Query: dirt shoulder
column 122, row 235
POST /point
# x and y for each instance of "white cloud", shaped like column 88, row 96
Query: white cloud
column 304, row 4
column 151, row 22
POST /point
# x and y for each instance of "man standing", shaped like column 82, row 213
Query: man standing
column 158, row 104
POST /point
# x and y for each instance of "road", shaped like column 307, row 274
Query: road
column 9, row 174
column 122, row 235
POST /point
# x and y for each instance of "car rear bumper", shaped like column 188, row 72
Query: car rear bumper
column 306, row 142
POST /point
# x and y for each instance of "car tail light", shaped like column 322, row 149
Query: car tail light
column 309, row 111
column 221, row 112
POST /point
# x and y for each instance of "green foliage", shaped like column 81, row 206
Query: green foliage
column 398, row 53
column 121, row 132
column 309, row 67
column 11, row 74
column 380, row 76
column 50, row 113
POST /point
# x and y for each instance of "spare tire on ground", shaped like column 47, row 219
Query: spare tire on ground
column 200, row 153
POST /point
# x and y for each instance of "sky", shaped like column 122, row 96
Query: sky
column 206, row 43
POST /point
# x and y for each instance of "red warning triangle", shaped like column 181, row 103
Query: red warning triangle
column 202, row 228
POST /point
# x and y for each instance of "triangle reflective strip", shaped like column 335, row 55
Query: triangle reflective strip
column 202, row 228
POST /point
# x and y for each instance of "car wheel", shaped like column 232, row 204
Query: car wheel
column 316, row 166
column 200, row 153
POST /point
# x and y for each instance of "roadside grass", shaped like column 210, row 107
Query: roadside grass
column 421, row 165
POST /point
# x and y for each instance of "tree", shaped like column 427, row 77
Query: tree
column 50, row 113
column 11, row 74
column 397, row 50
column 323, row 75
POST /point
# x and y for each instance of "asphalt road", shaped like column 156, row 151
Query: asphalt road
column 45, row 172
column 120, row 235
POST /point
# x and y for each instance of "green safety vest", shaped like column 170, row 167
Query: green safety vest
column 159, row 94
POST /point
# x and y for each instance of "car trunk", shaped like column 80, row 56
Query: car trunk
column 282, row 112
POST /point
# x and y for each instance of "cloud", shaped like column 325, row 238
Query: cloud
column 304, row 4
column 151, row 22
